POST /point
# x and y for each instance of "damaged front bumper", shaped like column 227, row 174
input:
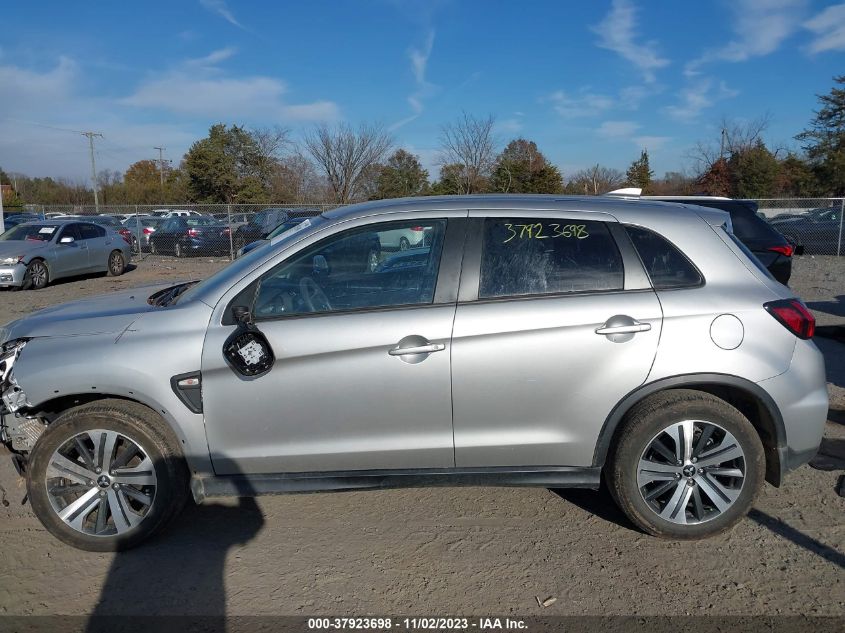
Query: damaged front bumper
column 18, row 431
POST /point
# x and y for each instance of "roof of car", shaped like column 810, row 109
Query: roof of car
column 617, row 206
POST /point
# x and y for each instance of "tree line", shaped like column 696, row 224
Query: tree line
column 342, row 164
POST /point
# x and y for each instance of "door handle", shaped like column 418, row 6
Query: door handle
column 624, row 329
column 419, row 349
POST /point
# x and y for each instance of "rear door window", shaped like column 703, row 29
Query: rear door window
column 524, row 256
column 667, row 267
column 90, row 231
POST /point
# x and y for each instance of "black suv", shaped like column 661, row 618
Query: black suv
column 772, row 249
column 259, row 226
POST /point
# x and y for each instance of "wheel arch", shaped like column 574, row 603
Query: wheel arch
column 749, row 398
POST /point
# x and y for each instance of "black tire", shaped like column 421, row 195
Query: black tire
column 643, row 424
column 136, row 248
column 143, row 427
column 177, row 250
column 116, row 264
column 153, row 250
column 372, row 261
column 37, row 275
column 404, row 244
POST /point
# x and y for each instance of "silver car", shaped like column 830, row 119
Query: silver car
column 534, row 341
column 36, row 253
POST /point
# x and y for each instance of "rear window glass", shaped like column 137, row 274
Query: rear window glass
column 747, row 225
column 667, row 267
column 735, row 239
column 524, row 256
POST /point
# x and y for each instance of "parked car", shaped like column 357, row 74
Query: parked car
column 103, row 220
column 138, row 229
column 818, row 231
column 13, row 219
column 190, row 235
column 35, row 253
column 595, row 339
column 234, row 220
column 774, row 250
column 260, row 225
column 173, row 213
column 288, row 224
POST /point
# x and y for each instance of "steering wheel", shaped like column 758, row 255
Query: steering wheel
column 313, row 295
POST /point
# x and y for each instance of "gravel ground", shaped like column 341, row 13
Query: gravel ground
column 444, row 551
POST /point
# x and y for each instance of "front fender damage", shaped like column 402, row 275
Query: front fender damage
column 19, row 431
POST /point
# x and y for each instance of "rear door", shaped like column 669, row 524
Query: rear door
column 556, row 323
column 98, row 245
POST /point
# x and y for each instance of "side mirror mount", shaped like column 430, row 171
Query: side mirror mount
column 67, row 239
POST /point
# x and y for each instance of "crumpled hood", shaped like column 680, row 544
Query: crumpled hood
column 105, row 314
column 14, row 248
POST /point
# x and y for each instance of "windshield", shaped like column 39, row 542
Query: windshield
column 31, row 232
column 243, row 265
column 193, row 220
column 284, row 227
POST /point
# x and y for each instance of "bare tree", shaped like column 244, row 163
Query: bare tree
column 595, row 180
column 469, row 142
column 346, row 156
column 295, row 179
column 734, row 138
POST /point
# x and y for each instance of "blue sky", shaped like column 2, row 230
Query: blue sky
column 588, row 81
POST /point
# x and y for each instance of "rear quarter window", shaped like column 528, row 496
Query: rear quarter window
column 666, row 265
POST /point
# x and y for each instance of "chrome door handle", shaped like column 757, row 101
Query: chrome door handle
column 624, row 329
column 420, row 349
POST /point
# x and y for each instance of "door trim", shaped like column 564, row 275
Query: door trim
column 280, row 483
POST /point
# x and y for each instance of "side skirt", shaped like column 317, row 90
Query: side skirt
column 282, row 483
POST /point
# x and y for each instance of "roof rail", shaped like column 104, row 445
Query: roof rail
column 627, row 192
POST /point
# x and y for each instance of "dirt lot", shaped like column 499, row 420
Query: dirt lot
column 449, row 550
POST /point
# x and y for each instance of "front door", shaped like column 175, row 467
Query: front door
column 72, row 257
column 342, row 394
column 547, row 343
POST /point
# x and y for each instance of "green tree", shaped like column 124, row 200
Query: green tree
column 403, row 175
column 639, row 174
column 717, row 180
column 227, row 166
column 754, row 172
column 796, row 179
column 522, row 168
column 824, row 140
column 451, row 182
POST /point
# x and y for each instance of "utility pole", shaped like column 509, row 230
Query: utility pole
column 722, row 144
column 161, row 168
column 91, row 136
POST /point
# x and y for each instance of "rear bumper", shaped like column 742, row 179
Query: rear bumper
column 12, row 275
column 801, row 396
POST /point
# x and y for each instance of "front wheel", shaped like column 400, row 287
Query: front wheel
column 686, row 465
column 36, row 275
column 177, row 250
column 105, row 476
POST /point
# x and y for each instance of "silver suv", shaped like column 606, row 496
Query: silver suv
column 521, row 341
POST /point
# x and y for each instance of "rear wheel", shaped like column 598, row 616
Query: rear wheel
column 117, row 264
column 105, row 476
column 36, row 275
column 686, row 465
column 404, row 244
column 153, row 250
column 177, row 250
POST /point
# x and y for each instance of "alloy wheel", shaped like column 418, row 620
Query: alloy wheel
column 691, row 472
column 101, row 483
column 116, row 263
column 38, row 274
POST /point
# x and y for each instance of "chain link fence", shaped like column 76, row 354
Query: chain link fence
column 185, row 230
column 189, row 230
column 814, row 223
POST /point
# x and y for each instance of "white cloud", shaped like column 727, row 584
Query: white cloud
column 618, row 31
column 760, row 27
column 617, row 129
column 697, row 97
column 424, row 89
column 197, row 88
column 651, row 143
column 582, row 104
column 220, row 8
column 829, row 29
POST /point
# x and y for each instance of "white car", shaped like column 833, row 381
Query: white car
column 403, row 239
column 173, row 213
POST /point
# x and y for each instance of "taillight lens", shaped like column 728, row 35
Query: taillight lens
column 418, row 228
column 786, row 249
column 794, row 316
column 193, row 232
column 148, row 230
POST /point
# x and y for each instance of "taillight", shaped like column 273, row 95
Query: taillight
column 794, row 316
column 193, row 232
column 786, row 249
column 418, row 228
column 148, row 230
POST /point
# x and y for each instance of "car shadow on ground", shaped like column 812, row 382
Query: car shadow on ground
column 69, row 280
column 797, row 537
column 181, row 571
column 599, row 503
column 836, row 307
